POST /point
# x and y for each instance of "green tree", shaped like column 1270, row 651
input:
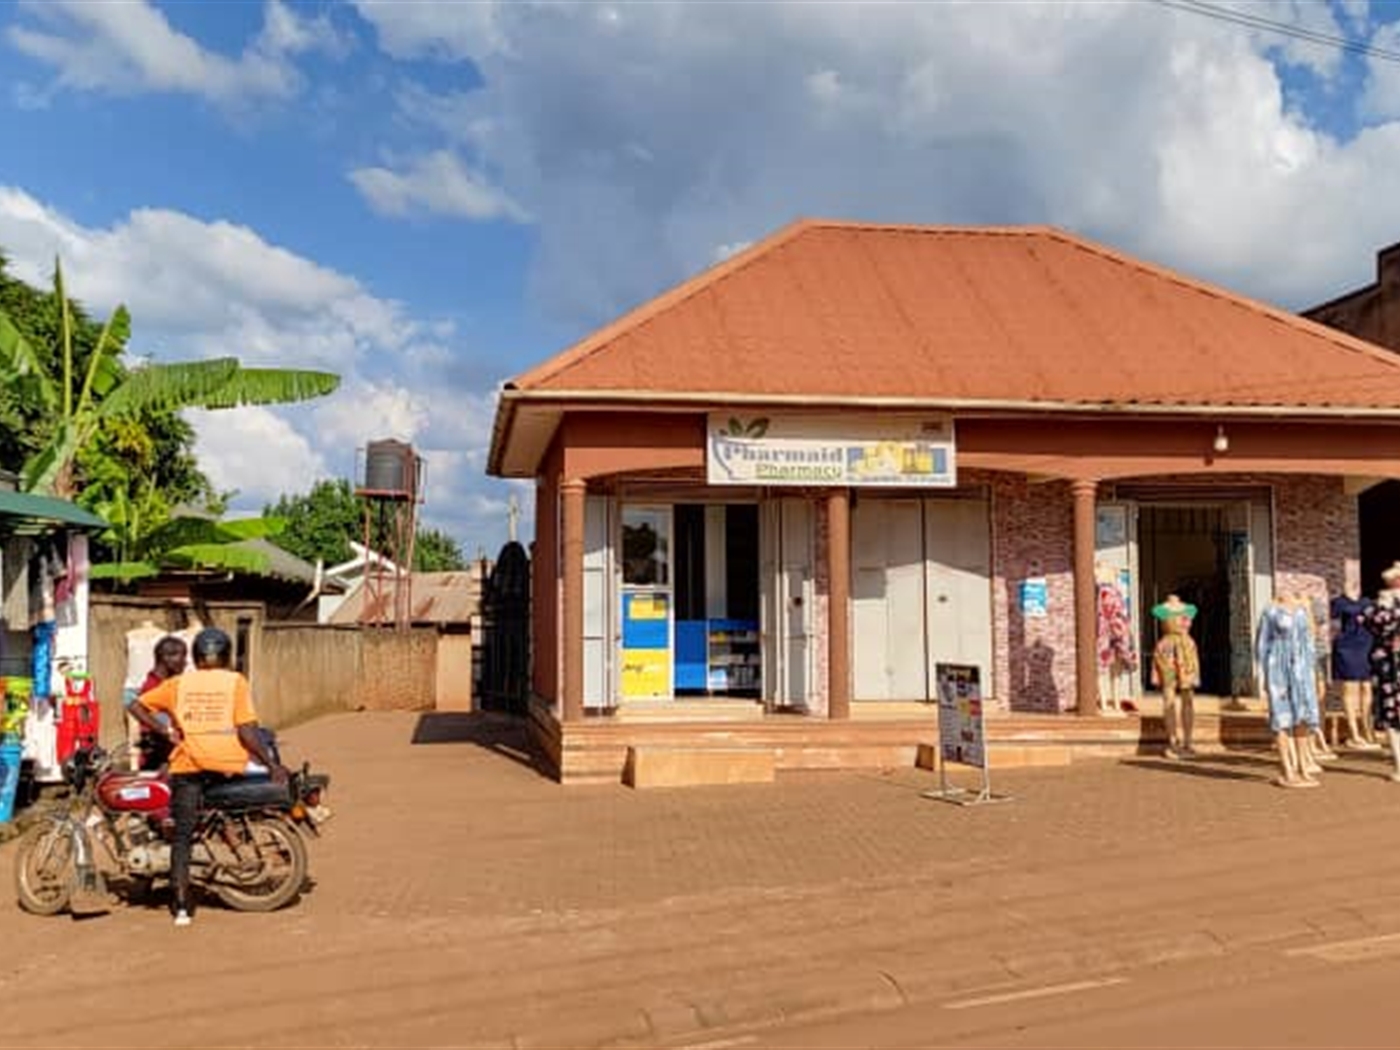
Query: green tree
column 436, row 551
column 85, row 393
column 321, row 523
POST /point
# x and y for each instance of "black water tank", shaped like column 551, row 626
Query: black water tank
column 390, row 469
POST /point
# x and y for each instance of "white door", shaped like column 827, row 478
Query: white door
column 645, row 669
column 598, row 592
column 787, row 586
column 957, row 546
column 887, row 600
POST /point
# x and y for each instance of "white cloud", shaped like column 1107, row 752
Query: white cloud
column 130, row 47
column 418, row 28
column 198, row 288
column 1166, row 133
column 436, row 183
column 256, row 452
column 1381, row 99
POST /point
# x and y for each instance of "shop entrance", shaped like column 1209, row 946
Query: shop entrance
column 1202, row 553
column 717, row 600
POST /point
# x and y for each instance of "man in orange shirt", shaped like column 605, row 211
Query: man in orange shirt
column 214, row 730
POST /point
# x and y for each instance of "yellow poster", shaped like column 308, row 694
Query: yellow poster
column 647, row 607
column 646, row 674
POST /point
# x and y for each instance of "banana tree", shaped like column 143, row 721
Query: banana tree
column 188, row 540
column 107, row 390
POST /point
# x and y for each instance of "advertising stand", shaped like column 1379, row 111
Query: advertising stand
column 962, row 736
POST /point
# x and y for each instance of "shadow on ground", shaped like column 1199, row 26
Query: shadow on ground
column 1209, row 768
column 500, row 734
column 1252, row 766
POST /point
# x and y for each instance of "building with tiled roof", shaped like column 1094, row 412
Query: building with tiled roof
column 855, row 461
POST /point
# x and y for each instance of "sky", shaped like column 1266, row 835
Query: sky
column 431, row 197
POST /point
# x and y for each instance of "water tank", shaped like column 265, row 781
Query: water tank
column 391, row 470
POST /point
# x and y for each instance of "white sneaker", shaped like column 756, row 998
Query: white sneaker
column 182, row 918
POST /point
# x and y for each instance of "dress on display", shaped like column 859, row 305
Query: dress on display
column 1286, row 654
column 1383, row 621
column 1351, row 649
column 1115, row 631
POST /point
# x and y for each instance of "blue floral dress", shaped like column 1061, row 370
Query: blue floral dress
column 1287, row 657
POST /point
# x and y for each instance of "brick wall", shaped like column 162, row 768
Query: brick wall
column 1317, row 533
column 1032, row 536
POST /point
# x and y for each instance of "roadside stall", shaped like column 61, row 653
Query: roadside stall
column 49, row 704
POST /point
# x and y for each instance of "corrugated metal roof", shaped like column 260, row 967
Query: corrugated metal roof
column 436, row 597
column 1018, row 315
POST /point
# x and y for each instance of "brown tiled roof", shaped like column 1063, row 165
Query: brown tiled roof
column 999, row 316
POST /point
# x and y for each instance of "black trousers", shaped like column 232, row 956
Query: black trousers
column 187, row 798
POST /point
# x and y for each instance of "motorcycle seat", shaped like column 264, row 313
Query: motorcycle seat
column 247, row 793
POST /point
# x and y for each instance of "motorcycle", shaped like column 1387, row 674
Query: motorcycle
column 249, row 847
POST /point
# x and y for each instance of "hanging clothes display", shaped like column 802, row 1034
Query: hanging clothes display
column 1351, row 649
column 1116, row 649
column 1383, row 621
column 1287, row 657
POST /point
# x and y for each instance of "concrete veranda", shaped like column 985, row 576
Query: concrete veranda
column 460, row 898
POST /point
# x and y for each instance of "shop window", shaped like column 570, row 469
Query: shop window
column 645, row 553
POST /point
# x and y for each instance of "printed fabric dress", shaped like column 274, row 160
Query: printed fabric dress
column 1383, row 621
column 1287, row 657
column 1115, row 631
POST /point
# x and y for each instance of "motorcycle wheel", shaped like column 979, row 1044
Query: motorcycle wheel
column 46, row 870
column 280, row 872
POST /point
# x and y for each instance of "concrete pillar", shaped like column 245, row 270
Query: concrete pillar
column 1086, row 630
column 572, row 492
column 838, row 619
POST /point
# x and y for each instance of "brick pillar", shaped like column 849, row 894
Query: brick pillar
column 838, row 619
column 1086, row 630
column 573, row 492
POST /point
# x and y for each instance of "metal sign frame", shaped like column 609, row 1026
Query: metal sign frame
column 962, row 735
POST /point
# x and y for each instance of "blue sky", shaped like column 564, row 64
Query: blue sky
column 430, row 197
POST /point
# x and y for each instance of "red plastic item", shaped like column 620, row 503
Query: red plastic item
column 134, row 792
column 78, row 720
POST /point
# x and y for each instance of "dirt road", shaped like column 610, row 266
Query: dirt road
column 462, row 899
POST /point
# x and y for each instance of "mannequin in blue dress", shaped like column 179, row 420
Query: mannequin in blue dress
column 1351, row 662
column 1285, row 651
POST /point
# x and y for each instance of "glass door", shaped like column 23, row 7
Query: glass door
column 647, row 604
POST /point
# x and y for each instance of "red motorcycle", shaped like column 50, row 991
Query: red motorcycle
column 248, row 846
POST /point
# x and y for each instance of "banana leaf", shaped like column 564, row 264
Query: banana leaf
column 270, row 386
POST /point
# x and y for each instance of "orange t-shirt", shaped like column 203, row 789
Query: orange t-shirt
column 208, row 707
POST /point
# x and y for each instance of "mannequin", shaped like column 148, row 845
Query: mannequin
column 1317, row 625
column 1176, row 669
column 1382, row 619
column 1286, row 655
column 1117, row 654
column 1351, row 661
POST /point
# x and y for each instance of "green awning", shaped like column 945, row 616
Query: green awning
column 24, row 512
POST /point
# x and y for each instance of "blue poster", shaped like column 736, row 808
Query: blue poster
column 1035, row 598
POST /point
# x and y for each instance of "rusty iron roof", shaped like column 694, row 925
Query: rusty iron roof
column 435, row 598
column 1025, row 315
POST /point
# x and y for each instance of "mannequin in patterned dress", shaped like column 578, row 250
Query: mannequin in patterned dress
column 1176, row 669
column 1383, row 621
column 1117, row 654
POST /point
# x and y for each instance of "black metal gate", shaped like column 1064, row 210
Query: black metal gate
column 505, row 651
